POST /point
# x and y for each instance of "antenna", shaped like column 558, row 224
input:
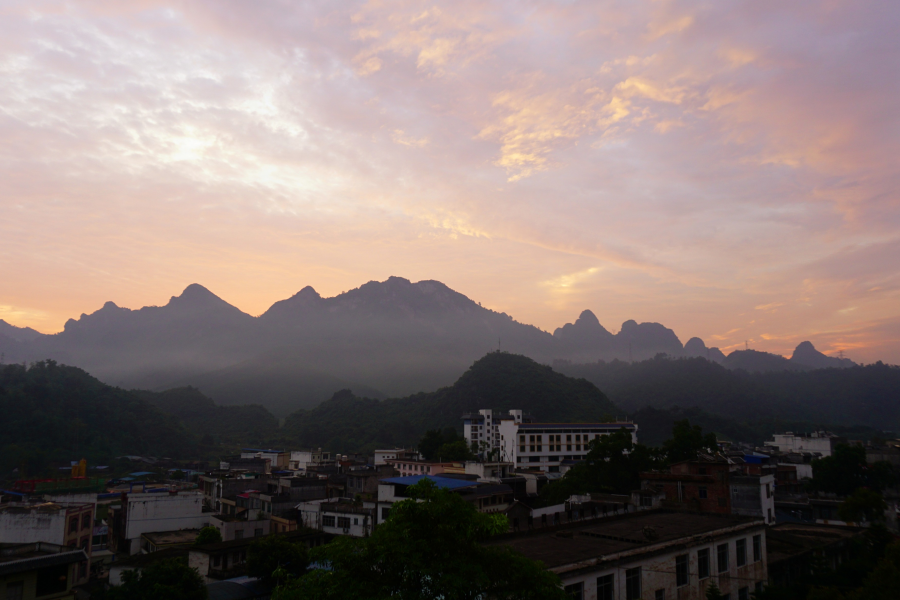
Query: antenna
column 746, row 345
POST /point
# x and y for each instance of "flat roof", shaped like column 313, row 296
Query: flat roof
column 786, row 540
column 168, row 538
column 441, row 482
column 600, row 538
column 576, row 425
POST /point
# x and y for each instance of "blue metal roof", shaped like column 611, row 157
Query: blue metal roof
column 141, row 473
column 447, row 483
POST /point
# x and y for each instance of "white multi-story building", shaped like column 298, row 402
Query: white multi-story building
column 148, row 513
column 821, row 442
column 525, row 444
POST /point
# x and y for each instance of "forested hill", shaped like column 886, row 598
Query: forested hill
column 500, row 381
column 53, row 414
column 860, row 395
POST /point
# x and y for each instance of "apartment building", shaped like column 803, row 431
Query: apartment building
column 651, row 554
column 148, row 513
column 817, row 442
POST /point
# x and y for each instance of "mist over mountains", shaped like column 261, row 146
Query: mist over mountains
column 390, row 338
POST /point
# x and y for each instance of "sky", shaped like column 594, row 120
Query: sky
column 728, row 169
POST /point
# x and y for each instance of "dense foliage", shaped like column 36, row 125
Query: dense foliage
column 431, row 546
column 53, row 413
column 245, row 424
column 275, row 559
column 499, row 380
column 863, row 395
column 172, row 579
column 208, row 535
column 846, row 470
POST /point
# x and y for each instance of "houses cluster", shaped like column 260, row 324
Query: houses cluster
column 709, row 519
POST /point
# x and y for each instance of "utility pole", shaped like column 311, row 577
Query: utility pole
column 746, row 345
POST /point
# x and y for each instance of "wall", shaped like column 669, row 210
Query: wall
column 658, row 571
column 149, row 513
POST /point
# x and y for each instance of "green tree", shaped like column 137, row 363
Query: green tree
column 274, row 559
column 208, row 535
column 863, row 505
column 819, row 592
column 884, row 580
column 713, row 592
column 847, row 470
column 172, row 579
column 613, row 464
column 687, row 441
column 434, row 439
column 457, row 450
column 432, row 546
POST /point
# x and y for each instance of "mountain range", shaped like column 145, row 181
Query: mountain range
column 390, row 338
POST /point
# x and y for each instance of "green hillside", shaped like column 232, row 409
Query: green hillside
column 53, row 414
column 499, row 381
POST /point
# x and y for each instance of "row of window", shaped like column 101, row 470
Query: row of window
column 85, row 520
column 342, row 522
column 605, row 590
column 534, row 443
column 605, row 584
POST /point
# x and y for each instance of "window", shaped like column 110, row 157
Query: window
column 758, row 586
column 681, row 570
column 217, row 560
column 343, row 522
column 568, row 443
column 703, row 563
column 633, row 584
column 73, row 525
column 605, row 588
column 726, row 596
column 740, row 551
column 385, row 513
column 647, row 501
column 722, row 557
column 744, row 593
column 703, row 493
column 703, row 470
column 660, row 594
column 356, row 520
column 52, row 580
column 575, row 591
column 239, row 534
column 757, row 548
column 86, row 521
column 327, row 521
column 257, row 532
column 15, row 591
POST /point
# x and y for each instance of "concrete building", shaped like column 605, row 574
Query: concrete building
column 345, row 518
column 381, row 456
column 408, row 467
column 516, row 438
column 817, row 442
column 364, row 482
column 217, row 485
column 753, row 496
column 235, row 528
column 163, row 540
column 63, row 524
column 148, row 513
column 278, row 459
column 39, row 570
column 300, row 460
column 651, row 554
column 487, row 497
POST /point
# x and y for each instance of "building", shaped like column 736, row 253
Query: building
column 545, row 446
column 796, row 550
column 218, row 485
column 138, row 514
column 39, row 570
column 381, row 456
column 487, row 497
column 278, row 459
column 364, row 482
column 817, row 442
column 651, row 554
column 346, row 518
column 226, row 560
column 63, row 524
column 163, row 540
column 236, row 528
column 300, row 460
column 482, row 430
column 408, row 466
column 715, row 485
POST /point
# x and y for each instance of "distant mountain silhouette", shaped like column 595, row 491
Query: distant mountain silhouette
column 18, row 334
column 806, row 354
column 696, row 348
column 500, row 381
column 383, row 339
column 754, row 361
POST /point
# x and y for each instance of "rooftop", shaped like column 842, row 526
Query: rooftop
column 19, row 558
column 786, row 540
column 441, row 482
column 599, row 539
column 171, row 538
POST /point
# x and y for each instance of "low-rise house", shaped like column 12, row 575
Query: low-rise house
column 409, row 467
column 382, row 456
column 795, row 549
column 138, row 514
column 221, row 484
column 277, row 459
column 487, row 497
column 163, row 540
column 63, row 524
column 822, row 443
column 236, row 528
column 346, row 518
column 39, row 570
column 226, row 560
column 651, row 554
column 301, row 460
column 364, row 482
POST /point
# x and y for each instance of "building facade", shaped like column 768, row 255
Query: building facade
column 147, row 513
column 547, row 446
column 821, row 442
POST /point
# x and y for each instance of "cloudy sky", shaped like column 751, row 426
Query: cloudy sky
column 729, row 169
